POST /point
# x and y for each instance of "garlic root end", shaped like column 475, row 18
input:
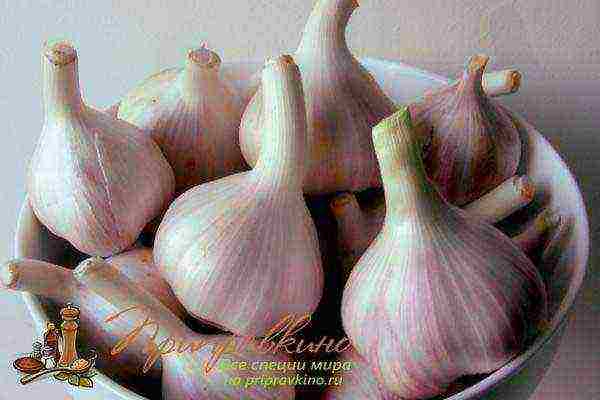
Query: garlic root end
column 60, row 52
column 9, row 274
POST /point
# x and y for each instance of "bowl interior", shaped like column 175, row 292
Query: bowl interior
column 556, row 188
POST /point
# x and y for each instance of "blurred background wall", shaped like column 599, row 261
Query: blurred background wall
column 555, row 43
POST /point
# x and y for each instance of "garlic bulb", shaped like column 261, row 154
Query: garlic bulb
column 58, row 284
column 185, row 374
column 357, row 227
column 438, row 294
column 93, row 180
column 474, row 143
column 193, row 114
column 241, row 252
column 343, row 103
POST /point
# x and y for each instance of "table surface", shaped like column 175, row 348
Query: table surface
column 554, row 45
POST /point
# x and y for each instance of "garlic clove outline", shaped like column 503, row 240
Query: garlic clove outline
column 193, row 114
column 242, row 252
column 482, row 295
column 93, row 180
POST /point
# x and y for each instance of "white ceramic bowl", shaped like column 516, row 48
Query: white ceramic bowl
column 557, row 187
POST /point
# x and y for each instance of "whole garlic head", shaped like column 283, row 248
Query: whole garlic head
column 475, row 144
column 438, row 294
column 193, row 114
column 93, row 180
column 343, row 103
column 242, row 252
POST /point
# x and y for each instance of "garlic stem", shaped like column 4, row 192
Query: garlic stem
column 326, row 27
column 473, row 75
column 502, row 82
column 61, row 90
column 101, row 277
column 533, row 235
column 281, row 160
column 355, row 230
column 555, row 246
column 350, row 218
column 37, row 277
column 505, row 199
column 407, row 190
column 201, row 70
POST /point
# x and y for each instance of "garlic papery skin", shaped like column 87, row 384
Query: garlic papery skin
column 242, row 252
column 357, row 227
column 93, row 180
column 186, row 354
column 438, row 294
column 343, row 103
column 474, row 144
column 58, row 284
column 193, row 114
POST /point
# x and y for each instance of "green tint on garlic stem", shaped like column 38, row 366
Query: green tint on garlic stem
column 193, row 113
column 343, row 103
column 438, row 294
column 241, row 252
column 474, row 143
column 192, row 365
column 93, row 180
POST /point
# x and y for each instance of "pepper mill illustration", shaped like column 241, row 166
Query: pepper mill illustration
column 68, row 329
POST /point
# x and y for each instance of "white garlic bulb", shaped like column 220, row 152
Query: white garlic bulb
column 438, row 294
column 242, row 252
column 193, row 114
column 93, row 180
column 343, row 103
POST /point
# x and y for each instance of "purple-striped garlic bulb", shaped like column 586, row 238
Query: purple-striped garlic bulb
column 93, row 180
column 474, row 143
column 193, row 114
column 357, row 227
column 59, row 285
column 438, row 294
column 187, row 356
column 241, row 252
column 343, row 103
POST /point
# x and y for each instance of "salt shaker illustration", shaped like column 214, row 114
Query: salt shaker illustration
column 36, row 351
column 68, row 329
column 51, row 340
column 48, row 357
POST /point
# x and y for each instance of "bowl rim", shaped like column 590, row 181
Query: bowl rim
column 497, row 377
